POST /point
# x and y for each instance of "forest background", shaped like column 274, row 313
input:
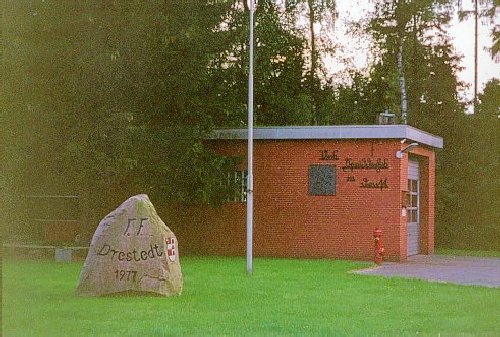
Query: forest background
column 106, row 99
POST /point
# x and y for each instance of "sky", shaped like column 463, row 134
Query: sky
column 461, row 32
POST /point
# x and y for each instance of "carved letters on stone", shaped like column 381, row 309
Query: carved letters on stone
column 132, row 251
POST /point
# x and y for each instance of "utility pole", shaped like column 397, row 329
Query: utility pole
column 475, row 52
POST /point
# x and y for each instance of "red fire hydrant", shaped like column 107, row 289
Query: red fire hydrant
column 379, row 250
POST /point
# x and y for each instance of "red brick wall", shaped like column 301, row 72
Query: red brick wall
column 288, row 222
column 403, row 178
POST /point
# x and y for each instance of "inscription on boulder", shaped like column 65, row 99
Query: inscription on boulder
column 132, row 250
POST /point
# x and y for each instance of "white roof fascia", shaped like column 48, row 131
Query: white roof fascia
column 333, row 132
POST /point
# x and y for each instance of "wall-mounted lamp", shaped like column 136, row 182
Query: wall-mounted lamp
column 399, row 154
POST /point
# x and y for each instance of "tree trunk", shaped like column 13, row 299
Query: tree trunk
column 402, row 85
column 314, row 60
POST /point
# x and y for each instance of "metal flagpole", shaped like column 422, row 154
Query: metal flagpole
column 250, row 148
column 475, row 56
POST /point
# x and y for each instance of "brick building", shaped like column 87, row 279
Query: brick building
column 319, row 192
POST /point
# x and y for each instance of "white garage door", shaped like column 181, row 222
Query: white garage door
column 413, row 208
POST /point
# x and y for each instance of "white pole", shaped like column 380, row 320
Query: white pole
column 250, row 148
column 475, row 55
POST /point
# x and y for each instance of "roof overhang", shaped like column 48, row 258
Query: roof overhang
column 333, row 132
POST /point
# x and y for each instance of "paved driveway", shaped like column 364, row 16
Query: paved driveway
column 446, row 269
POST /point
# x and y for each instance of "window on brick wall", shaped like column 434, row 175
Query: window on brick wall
column 412, row 200
column 237, row 183
column 322, row 179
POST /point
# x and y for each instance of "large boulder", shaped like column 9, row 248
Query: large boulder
column 132, row 251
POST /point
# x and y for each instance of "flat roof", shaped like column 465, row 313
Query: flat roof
column 334, row 132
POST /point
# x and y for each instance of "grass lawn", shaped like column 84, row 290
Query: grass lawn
column 282, row 297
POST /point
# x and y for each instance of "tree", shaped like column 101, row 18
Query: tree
column 321, row 17
column 403, row 29
column 469, row 179
column 489, row 100
column 278, row 69
column 484, row 206
column 485, row 11
column 362, row 100
column 106, row 99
